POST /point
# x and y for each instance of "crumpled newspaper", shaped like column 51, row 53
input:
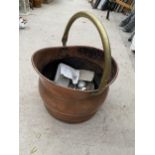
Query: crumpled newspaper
column 66, row 73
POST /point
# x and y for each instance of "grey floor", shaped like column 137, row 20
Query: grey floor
column 111, row 130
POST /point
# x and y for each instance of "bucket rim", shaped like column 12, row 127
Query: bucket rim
column 67, row 88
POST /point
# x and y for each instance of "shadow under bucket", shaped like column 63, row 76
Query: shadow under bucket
column 67, row 104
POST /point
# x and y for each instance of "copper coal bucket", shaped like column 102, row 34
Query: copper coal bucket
column 67, row 104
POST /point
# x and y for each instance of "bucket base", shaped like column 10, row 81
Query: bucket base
column 69, row 119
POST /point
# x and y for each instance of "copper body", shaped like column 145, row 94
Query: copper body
column 68, row 104
column 64, row 103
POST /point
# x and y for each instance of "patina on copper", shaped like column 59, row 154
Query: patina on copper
column 72, row 105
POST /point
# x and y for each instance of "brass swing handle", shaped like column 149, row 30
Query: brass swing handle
column 104, row 39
